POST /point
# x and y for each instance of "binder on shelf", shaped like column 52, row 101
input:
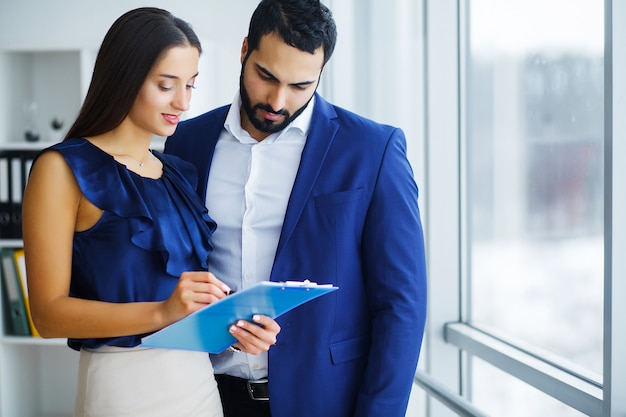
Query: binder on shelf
column 20, row 266
column 15, row 316
column 20, row 164
column 27, row 163
column 17, row 190
column 6, row 229
column 206, row 330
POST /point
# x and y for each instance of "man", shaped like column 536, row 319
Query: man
column 302, row 189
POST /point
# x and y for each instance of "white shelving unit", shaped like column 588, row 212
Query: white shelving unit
column 38, row 376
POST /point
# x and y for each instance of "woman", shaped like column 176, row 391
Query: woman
column 116, row 240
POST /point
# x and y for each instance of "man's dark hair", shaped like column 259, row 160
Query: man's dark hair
column 131, row 47
column 303, row 24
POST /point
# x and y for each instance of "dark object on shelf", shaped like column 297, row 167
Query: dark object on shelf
column 31, row 135
column 14, row 170
column 55, row 133
column 56, row 124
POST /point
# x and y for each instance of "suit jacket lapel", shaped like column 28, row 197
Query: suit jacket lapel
column 320, row 137
column 204, row 155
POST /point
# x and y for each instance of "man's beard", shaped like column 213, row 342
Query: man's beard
column 261, row 124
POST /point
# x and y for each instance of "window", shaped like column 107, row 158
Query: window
column 523, row 101
column 535, row 94
column 534, row 140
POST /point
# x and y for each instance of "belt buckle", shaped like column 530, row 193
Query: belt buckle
column 250, row 386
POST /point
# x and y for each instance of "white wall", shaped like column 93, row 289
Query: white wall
column 76, row 24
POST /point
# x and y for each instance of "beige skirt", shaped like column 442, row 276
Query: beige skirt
column 145, row 382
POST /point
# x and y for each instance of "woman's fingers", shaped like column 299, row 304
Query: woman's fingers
column 194, row 290
column 202, row 287
column 255, row 337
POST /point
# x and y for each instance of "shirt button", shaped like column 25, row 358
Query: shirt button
column 247, row 276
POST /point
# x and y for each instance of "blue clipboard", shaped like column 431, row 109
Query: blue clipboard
column 206, row 330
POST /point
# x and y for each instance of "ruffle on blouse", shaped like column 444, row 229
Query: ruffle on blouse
column 110, row 186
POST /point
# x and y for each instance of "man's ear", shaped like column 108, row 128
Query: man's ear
column 244, row 49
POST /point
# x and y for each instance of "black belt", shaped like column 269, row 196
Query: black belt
column 257, row 390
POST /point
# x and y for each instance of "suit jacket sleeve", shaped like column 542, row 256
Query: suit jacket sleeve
column 395, row 277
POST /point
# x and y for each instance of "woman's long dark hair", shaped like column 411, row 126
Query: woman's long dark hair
column 131, row 47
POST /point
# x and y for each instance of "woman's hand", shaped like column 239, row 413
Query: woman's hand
column 257, row 336
column 195, row 289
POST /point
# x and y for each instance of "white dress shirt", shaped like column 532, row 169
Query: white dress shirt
column 249, row 186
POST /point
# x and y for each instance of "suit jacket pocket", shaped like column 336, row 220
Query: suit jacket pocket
column 348, row 350
column 342, row 197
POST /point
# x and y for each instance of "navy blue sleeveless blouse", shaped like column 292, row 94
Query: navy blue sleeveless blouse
column 151, row 231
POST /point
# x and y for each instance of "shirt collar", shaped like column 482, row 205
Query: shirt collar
column 233, row 122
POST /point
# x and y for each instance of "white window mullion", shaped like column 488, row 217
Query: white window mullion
column 442, row 193
column 615, row 209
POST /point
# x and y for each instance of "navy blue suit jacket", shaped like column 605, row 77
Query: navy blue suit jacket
column 352, row 220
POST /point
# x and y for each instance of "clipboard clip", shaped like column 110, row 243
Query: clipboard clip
column 304, row 284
